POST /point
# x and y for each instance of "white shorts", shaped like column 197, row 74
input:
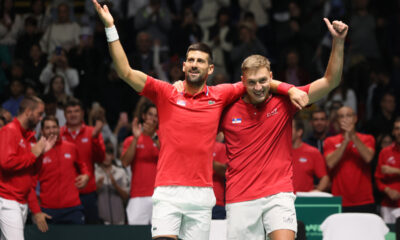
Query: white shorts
column 12, row 219
column 182, row 211
column 256, row 219
column 139, row 210
column 389, row 214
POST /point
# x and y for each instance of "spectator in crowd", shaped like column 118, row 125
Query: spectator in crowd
column 307, row 163
column 348, row 156
column 37, row 11
column 155, row 20
column 142, row 59
column 219, row 168
column 26, row 39
column 320, row 126
column 31, row 88
column 249, row 44
column 112, row 189
column 140, row 152
column 382, row 121
column 17, row 90
column 343, row 94
column 387, row 176
column 294, row 74
column 220, row 38
column 52, row 108
column 57, row 89
column 9, row 23
column 19, row 163
column 97, row 112
column 59, row 182
column 35, row 63
column 186, row 32
column 208, row 11
column 59, row 65
column 62, row 33
column 91, row 149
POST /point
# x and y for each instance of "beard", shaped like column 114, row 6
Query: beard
column 195, row 81
column 31, row 123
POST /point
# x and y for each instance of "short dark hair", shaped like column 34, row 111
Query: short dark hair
column 73, row 102
column 202, row 47
column 49, row 118
column 29, row 103
column 318, row 110
column 145, row 108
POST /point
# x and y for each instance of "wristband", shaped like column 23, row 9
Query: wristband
column 283, row 88
column 112, row 34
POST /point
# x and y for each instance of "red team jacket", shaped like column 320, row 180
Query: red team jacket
column 18, row 164
column 57, row 178
column 90, row 150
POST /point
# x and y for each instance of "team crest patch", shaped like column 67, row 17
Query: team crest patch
column 303, row 160
column 46, row 160
column 391, row 160
column 67, row 155
column 211, row 102
column 181, row 102
column 22, row 143
column 85, row 140
column 236, row 120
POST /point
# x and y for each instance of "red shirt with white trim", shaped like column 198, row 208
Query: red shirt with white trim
column 57, row 178
column 143, row 165
column 18, row 165
column 388, row 156
column 259, row 145
column 90, row 150
column 219, row 155
column 188, row 126
column 307, row 163
column 351, row 177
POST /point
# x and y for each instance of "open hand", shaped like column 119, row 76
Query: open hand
column 104, row 14
column 40, row 220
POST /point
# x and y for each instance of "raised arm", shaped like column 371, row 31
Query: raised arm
column 333, row 74
column 136, row 79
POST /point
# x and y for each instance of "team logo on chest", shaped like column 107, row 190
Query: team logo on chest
column 236, row 120
column 22, row 143
column 181, row 102
column 391, row 160
column 67, row 155
column 272, row 113
column 141, row 146
column 46, row 160
column 303, row 160
column 85, row 140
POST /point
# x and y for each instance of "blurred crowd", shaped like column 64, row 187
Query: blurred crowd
column 59, row 53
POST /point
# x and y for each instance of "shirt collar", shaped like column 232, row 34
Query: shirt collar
column 204, row 91
column 26, row 133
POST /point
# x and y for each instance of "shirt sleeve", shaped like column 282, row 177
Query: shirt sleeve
column 379, row 176
column 319, row 165
column 156, row 90
column 231, row 92
column 329, row 147
column 126, row 144
column 10, row 158
column 33, row 201
column 83, row 169
column 99, row 149
column 370, row 142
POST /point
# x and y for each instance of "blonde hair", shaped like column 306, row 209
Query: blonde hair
column 254, row 62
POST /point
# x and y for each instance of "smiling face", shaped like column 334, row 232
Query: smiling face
column 257, row 83
column 197, row 67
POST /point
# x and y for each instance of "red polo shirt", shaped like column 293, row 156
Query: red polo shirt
column 259, row 145
column 90, row 150
column 219, row 155
column 307, row 163
column 351, row 177
column 188, row 126
column 388, row 156
column 143, row 165
column 57, row 178
column 18, row 164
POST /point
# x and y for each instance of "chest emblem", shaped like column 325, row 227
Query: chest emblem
column 181, row 102
column 236, row 120
column 303, row 160
column 22, row 143
column 141, row 146
column 272, row 113
column 211, row 102
column 85, row 140
column 67, row 155
column 46, row 160
column 391, row 160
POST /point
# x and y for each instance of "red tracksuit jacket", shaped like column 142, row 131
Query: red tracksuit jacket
column 18, row 164
column 90, row 150
column 57, row 178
